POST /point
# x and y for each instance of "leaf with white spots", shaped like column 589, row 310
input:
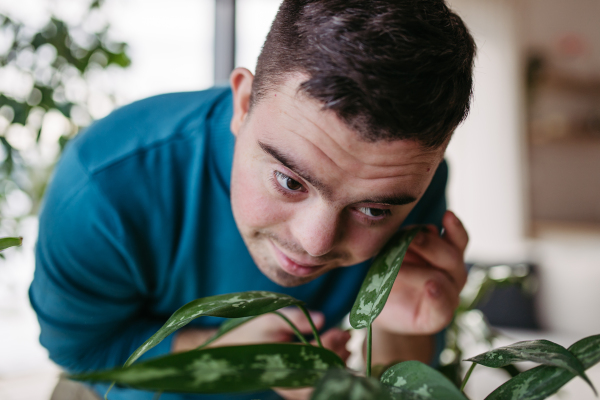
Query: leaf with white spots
column 542, row 382
column 378, row 283
column 7, row 242
column 339, row 384
column 225, row 369
column 413, row 378
column 232, row 305
column 539, row 351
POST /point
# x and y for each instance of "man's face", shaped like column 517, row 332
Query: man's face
column 309, row 195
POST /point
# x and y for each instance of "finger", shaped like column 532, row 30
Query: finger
column 454, row 231
column 422, row 301
column 438, row 306
column 298, row 318
column 336, row 340
column 429, row 282
column 439, row 253
column 294, row 394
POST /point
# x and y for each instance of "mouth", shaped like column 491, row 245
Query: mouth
column 292, row 267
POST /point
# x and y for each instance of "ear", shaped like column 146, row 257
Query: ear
column 241, row 84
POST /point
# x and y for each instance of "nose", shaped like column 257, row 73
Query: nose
column 316, row 229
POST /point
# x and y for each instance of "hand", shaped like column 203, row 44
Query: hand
column 270, row 328
column 426, row 291
column 266, row 328
column 335, row 340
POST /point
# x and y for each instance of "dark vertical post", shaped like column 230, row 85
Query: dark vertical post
column 224, row 40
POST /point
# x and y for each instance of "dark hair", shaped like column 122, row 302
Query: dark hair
column 390, row 69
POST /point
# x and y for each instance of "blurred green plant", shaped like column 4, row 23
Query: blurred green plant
column 46, row 98
column 469, row 324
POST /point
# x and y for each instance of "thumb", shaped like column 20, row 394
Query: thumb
column 336, row 340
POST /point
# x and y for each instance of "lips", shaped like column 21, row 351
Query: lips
column 292, row 267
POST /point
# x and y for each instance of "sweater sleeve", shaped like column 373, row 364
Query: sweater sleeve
column 432, row 206
column 88, row 290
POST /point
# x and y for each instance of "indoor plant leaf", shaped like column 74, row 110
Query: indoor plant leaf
column 541, row 382
column 225, row 369
column 7, row 242
column 340, row 384
column 232, row 305
column 378, row 283
column 540, row 351
column 421, row 380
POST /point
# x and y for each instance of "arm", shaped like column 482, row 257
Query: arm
column 88, row 291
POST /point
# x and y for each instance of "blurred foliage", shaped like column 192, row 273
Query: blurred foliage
column 470, row 326
column 46, row 98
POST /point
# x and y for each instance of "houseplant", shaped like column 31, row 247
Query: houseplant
column 287, row 365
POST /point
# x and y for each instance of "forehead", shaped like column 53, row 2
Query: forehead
column 296, row 125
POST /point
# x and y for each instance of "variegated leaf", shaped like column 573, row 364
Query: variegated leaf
column 416, row 378
column 542, row 382
column 339, row 384
column 378, row 283
column 225, row 369
column 540, row 351
column 232, row 305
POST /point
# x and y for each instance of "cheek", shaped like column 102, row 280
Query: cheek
column 364, row 243
column 253, row 206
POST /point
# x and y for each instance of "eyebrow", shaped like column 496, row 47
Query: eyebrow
column 293, row 166
column 393, row 200
column 398, row 200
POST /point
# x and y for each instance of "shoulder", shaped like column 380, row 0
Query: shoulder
column 145, row 124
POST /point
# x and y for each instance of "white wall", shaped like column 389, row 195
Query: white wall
column 488, row 179
column 253, row 21
column 486, row 166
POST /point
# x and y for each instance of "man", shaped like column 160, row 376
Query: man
column 289, row 181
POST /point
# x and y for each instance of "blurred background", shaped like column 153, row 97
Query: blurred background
column 524, row 168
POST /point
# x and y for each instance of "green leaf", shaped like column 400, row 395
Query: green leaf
column 339, row 384
column 7, row 242
column 225, row 369
column 379, row 280
column 225, row 327
column 541, row 382
column 540, row 351
column 399, row 394
column 419, row 379
column 232, row 305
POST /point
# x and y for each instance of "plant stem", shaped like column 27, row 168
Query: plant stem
column 312, row 324
column 108, row 390
column 467, row 376
column 157, row 395
column 369, row 344
column 294, row 328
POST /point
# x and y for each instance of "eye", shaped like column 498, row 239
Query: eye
column 373, row 212
column 287, row 183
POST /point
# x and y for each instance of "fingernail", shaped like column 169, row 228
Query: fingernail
column 455, row 220
column 434, row 290
column 419, row 238
column 316, row 316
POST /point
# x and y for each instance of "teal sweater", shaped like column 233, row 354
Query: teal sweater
column 137, row 221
